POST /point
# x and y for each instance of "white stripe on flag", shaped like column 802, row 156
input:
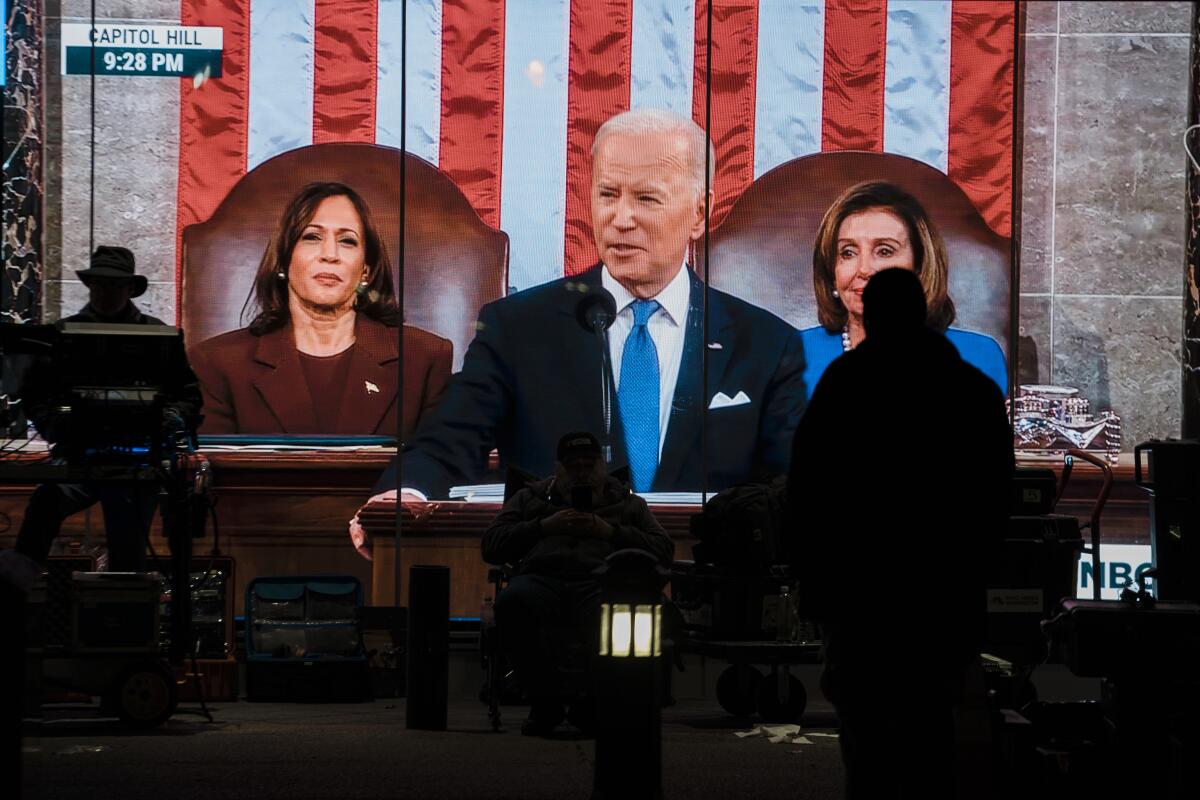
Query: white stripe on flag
column 533, row 190
column 421, row 115
column 916, row 100
column 280, row 105
column 389, row 72
column 662, row 57
column 791, row 66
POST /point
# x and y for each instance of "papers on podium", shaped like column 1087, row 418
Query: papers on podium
column 494, row 493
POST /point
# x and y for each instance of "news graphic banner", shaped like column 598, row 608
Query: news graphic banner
column 1120, row 565
column 167, row 51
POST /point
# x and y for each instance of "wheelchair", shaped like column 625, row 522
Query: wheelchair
column 500, row 683
column 573, row 659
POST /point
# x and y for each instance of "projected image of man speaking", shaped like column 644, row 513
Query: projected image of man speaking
column 532, row 372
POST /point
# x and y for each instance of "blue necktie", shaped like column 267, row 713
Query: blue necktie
column 637, row 397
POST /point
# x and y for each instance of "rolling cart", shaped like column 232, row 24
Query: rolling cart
column 737, row 619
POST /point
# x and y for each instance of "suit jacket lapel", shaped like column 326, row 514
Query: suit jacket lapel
column 372, row 387
column 283, row 389
column 681, row 449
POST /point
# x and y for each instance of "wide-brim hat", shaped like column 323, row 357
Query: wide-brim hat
column 114, row 262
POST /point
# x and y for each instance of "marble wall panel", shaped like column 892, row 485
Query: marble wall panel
column 1034, row 353
column 1125, row 17
column 136, row 169
column 1037, row 165
column 149, row 10
column 1123, row 354
column 158, row 301
column 22, row 195
column 1120, row 169
column 52, row 235
column 1041, row 16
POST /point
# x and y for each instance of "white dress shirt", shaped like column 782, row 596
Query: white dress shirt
column 667, row 327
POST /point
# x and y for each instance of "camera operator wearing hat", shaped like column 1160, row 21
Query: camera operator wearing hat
column 112, row 283
column 556, row 531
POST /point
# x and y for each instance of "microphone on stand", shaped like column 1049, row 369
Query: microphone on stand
column 595, row 312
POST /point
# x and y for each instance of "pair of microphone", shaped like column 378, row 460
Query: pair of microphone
column 595, row 313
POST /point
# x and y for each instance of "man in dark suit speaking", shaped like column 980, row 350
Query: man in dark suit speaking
column 532, row 372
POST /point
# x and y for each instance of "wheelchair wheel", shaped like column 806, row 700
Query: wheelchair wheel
column 777, row 704
column 737, row 689
column 145, row 696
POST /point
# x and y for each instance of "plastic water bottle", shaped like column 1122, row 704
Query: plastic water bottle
column 783, row 615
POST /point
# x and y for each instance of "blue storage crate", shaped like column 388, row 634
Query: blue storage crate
column 304, row 639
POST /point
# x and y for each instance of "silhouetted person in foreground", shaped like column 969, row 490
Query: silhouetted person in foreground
column 898, row 492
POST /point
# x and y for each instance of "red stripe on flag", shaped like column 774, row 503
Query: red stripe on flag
column 344, row 70
column 472, row 122
column 855, row 57
column 981, row 107
column 601, row 38
column 212, row 121
column 733, row 86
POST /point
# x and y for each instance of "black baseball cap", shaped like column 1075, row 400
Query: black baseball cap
column 579, row 443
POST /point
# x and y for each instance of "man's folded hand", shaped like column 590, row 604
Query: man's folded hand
column 358, row 536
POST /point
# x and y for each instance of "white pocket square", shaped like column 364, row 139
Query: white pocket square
column 722, row 400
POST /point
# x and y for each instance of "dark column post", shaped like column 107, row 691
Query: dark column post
column 428, row 646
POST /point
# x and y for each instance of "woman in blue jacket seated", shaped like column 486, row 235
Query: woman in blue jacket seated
column 871, row 227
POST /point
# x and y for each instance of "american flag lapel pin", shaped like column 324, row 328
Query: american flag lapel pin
column 371, row 388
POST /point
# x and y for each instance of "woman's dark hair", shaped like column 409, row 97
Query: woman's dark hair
column 929, row 252
column 269, row 295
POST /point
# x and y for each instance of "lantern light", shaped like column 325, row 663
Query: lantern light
column 630, row 630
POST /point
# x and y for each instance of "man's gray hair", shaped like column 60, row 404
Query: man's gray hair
column 643, row 121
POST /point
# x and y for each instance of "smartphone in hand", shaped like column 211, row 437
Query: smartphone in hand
column 581, row 498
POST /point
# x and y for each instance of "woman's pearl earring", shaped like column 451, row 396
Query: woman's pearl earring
column 835, row 293
column 281, row 275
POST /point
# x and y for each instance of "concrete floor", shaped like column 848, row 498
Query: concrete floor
column 257, row 750
column 351, row 751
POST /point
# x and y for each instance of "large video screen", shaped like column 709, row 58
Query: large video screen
column 394, row 218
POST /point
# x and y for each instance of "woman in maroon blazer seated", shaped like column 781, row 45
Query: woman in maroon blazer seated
column 320, row 355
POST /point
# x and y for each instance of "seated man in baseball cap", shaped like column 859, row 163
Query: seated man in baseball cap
column 555, row 532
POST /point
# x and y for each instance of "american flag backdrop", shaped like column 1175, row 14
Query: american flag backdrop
column 505, row 95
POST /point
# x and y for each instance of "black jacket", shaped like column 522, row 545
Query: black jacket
column 899, row 500
column 515, row 535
